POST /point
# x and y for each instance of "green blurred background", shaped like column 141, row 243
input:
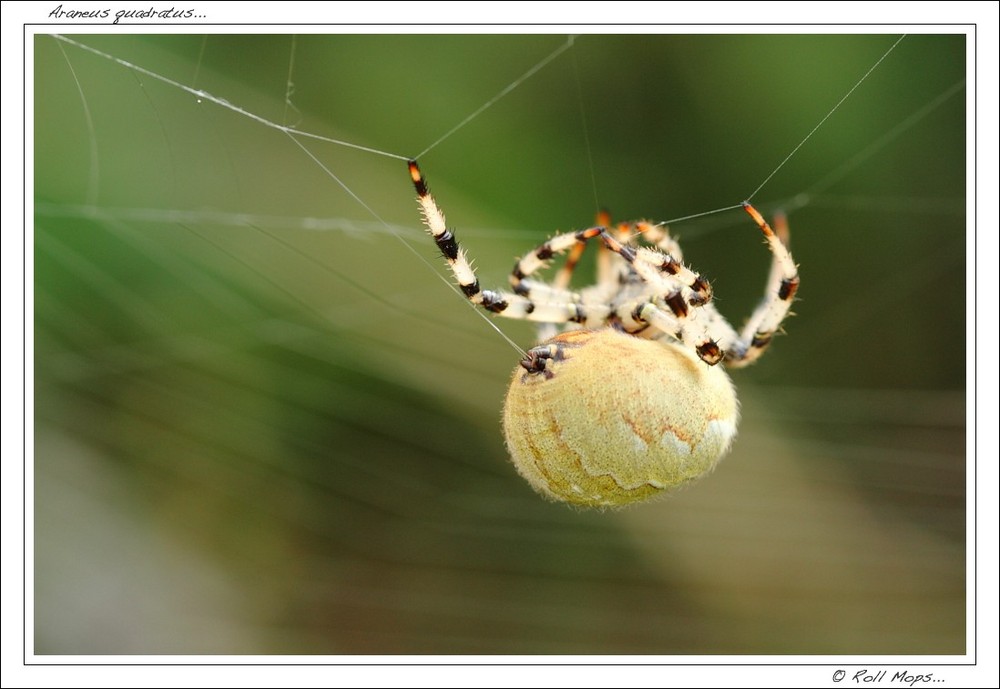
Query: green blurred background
column 263, row 425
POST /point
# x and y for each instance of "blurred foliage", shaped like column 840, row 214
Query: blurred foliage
column 264, row 426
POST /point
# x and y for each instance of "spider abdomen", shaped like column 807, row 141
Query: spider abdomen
column 602, row 418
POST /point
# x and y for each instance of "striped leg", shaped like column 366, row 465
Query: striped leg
column 782, row 285
column 656, row 268
column 662, row 270
column 638, row 287
column 563, row 279
column 682, row 289
column 563, row 306
column 446, row 242
column 565, row 274
column 671, row 315
column 659, row 236
column 691, row 317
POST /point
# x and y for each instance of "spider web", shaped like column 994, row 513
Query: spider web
column 263, row 426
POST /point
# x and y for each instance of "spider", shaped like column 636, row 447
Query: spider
column 629, row 400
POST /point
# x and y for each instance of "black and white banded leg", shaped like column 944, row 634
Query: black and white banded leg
column 550, row 305
column 782, row 284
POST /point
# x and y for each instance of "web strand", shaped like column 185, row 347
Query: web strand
column 292, row 133
column 290, row 85
column 402, row 240
column 364, row 454
column 295, row 135
column 825, row 118
column 94, row 177
column 586, row 133
column 510, row 87
column 840, row 172
column 197, row 65
column 203, row 95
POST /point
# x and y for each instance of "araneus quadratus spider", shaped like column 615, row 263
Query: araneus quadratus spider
column 628, row 400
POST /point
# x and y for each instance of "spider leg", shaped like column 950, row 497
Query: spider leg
column 562, row 280
column 682, row 308
column 672, row 316
column 656, row 268
column 659, row 236
column 662, row 270
column 446, row 241
column 559, row 306
column 782, row 284
column 653, row 265
column 521, row 276
column 565, row 274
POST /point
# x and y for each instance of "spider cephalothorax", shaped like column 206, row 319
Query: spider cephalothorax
column 628, row 400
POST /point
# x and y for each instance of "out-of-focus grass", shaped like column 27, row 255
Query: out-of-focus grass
column 262, row 425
